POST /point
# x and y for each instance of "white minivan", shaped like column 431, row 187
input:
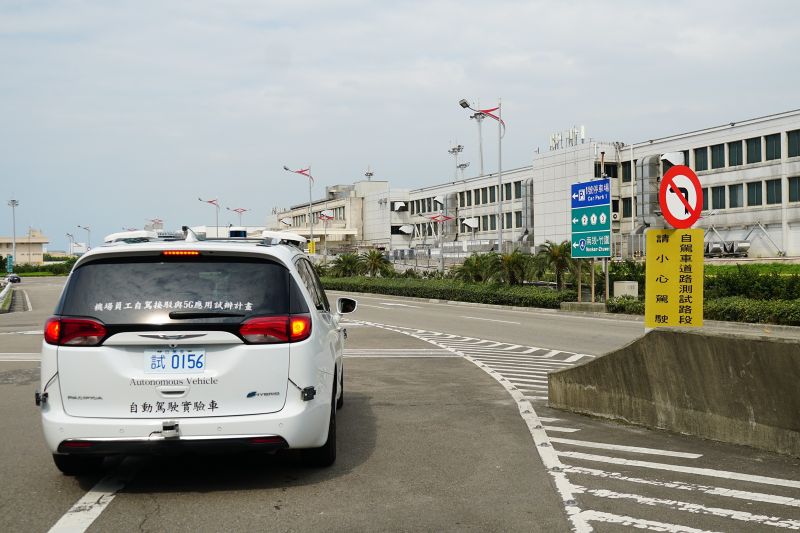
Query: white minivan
column 166, row 346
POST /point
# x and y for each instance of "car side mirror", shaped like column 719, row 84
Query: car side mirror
column 346, row 305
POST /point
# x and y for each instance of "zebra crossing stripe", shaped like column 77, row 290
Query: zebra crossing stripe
column 778, row 482
column 621, row 448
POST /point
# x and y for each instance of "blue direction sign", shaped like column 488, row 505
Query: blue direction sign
column 591, row 219
column 589, row 193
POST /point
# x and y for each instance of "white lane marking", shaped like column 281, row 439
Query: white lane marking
column 696, row 508
column 19, row 357
column 778, row 482
column 548, row 419
column 546, row 452
column 86, row 510
column 27, row 300
column 577, row 356
column 523, row 380
column 690, row 487
column 30, row 332
column 638, row 523
column 490, row 320
column 400, row 305
column 512, row 347
column 374, row 306
column 398, row 356
column 621, row 448
column 561, row 430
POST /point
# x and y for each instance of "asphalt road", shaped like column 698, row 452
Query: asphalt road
column 445, row 428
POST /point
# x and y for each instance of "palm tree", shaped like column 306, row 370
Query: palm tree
column 479, row 268
column 346, row 265
column 374, row 263
column 513, row 267
column 558, row 257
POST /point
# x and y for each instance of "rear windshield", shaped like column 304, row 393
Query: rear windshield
column 147, row 290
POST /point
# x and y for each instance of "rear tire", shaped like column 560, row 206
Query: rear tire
column 78, row 465
column 326, row 454
column 340, row 401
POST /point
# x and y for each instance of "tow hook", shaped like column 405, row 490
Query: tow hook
column 170, row 429
column 40, row 398
column 308, row 394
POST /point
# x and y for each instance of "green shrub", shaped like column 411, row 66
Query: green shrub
column 625, row 304
column 749, row 282
column 738, row 309
column 520, row 296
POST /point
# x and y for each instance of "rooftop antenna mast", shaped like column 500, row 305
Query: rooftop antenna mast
column 369, row 173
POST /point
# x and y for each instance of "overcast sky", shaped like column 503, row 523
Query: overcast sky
column 113, row 113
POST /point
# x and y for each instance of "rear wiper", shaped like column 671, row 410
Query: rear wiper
column 202, row 314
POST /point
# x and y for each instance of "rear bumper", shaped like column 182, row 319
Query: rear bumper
column 158, row 446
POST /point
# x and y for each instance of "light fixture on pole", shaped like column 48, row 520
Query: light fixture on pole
column 368, row 174
column 88, row 236
column 13, row 204
column 215, row 203
column 454, row 151
column 501, row 131
column 307, row 173
column 239, row 211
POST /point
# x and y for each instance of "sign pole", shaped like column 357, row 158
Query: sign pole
column 592, row 280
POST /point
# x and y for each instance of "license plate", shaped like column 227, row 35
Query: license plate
column 175, row 361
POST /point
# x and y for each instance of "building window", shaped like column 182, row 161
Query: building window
column 518, row 214
column 701, row 158
column 718, row 197
column 492, row 221
column 794, row 189
column 686, row 157
column 484, row 222
column 705, row 198
column 517, row 189
column 508, row 217
column 754, row 193
column 774, row 191
column 485, row 195
column 773, row 146
column 735, row 196
column 718, row 156
column 506, row 191
column 430, row 205
column 626, row 172
column 665, row 166
column 461, row 199
column 492, row 194
column 626, row 208
column 735, row 153
column 611, row 170
column 754, row 150
column 794, row 143
column 469, row 198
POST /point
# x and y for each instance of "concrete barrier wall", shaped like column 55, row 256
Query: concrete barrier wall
column 739, row 389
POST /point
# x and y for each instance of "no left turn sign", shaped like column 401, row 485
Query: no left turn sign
column 680, row 197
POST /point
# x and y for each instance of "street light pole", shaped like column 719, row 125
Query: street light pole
column 71, row 242
column 215, row 203
column 501, row 130
column 13, row 204
column 479, row 118
column 88, row 237
column 307, row 173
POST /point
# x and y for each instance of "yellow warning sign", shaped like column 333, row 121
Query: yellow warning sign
column 674, row 278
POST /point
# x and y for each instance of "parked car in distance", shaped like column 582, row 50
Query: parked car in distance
column 13, row 278
column 171, row 346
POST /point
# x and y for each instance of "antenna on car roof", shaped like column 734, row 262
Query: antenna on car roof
column 189, row 235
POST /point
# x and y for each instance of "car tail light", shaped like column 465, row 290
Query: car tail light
column 275, row 329
column 73, row 331
column 183, row 253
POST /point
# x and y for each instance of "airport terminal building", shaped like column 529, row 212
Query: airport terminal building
column 749, row 172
